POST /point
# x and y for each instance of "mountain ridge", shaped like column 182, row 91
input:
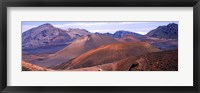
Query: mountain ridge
column 169, row 31
column 77, row 32
column 44, row 35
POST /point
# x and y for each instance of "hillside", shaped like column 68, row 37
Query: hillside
column 110, row 53
column 30, row 67
column 162, row 43
column 127, row 39
column 156, row 61
column 75, row 49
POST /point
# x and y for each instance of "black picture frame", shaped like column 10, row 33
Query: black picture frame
column 100, row 3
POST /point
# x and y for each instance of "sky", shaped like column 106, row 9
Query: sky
column 101, row 27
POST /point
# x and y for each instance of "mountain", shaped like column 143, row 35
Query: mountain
column 110, row 53
column 163, row 43
column 107, row 34
column 33, row 57
column 127, row 39
column 123, row 33
column 169, row 31
column 156, row 61
column 76, row 48
column 76, row 32
column 44, row 35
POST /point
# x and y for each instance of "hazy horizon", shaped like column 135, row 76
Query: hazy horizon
column 101, row 27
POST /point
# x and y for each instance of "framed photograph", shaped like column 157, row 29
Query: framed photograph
column 100, row 46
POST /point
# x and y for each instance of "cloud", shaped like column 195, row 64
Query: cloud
column 104, row 30
column 79, row 25
column 143, row 31
column 86, row 24
column 134, row 22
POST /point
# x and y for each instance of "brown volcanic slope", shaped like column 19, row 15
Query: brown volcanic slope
column 75, row 49
column 127, row 39
column 161, row 61
column 33, row 57
column 110, row 53
column 162, row 43
column 30, row 67
column 157, row 61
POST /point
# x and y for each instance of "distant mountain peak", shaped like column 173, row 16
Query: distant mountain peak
column 125, row 32
column 121, row 31
column 76, row 29
column 172, row 24
column 44, row 35
column 77, row 32
column 46, row 25
column 169, row 31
